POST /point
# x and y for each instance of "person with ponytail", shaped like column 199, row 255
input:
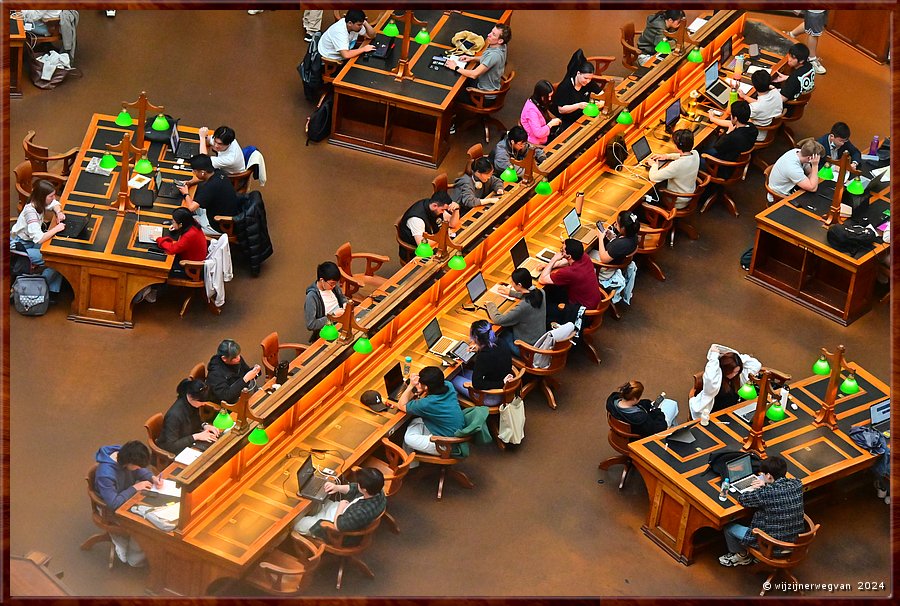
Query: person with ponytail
column 28, row 231
column 186, row 241
column 182, row 426
column 488, row 367
column 535, row 117
column 626, row 404
column 527, row 321
column 572, row 95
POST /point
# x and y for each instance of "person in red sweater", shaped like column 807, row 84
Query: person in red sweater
column 187, row 240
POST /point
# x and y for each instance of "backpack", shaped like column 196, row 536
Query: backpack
column 747, row 259
column 310, row 69
column 718, row 461
column 318, row 124
column 31, row 296
column 851, row 239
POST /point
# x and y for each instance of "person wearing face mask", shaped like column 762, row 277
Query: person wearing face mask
column 572, row 96
column 514, row 145
column 323, row 298
column 726, row 370
column 478, row 189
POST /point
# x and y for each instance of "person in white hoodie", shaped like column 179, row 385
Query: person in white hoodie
column 726, row 370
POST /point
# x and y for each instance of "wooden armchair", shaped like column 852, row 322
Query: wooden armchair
column 347, row 545
column 793, row 111
column 778, row 197
column 330, row 69
column 394, row 468
column 696, row 385
column 601, row 63
column 241, row 181
column 40, row 157
column 485, row 103
column 722, row 175
column 507, row 393
column 781, row 555
column 473, row 153
column 594, row 320
column 198, row 372
column 600, row 266
column 406, row 251
column 769, row 131
column 103, row 519
column 440, row 183
column 445, row 459
column 282, row 574
column 652, row 237
column 159, row 457
column 270, row 349
column 543, row 377
column 619, row 436
column 25, row 179
column 684, row 217
column 193, row 281
column 358, row 286
column 54, row 36
column 630, row 50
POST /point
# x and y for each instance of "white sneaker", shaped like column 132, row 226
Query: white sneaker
column 881, row 493
column 735, row 559
column 254, row 12
column 110, row 13
column 820, row 69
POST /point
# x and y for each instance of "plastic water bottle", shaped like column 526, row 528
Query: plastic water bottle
column 873, row 146
column 723, row 494
column 738, row 67
column 407, row 364
column 579, row 203
column 732, row 96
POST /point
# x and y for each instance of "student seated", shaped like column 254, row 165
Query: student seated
column 797, row 167
column 572, row 95
column 213, row 197
column 432, row 400
column 223, row 149
column 569, row 278
column 481, row 188
column 490, row 365
column 426, row 217
column 835, row 143
column 726, row 370
column 361, row 502
column 655, row 31
column 182, row 426
column 739, row 138
column 625, row 404
column 324, row 297
column 527, row 321
column 513, row 145
column 491, row 64
column 768, row 104
column 778, row 501
column 227, row 373
column 185, row 240
column 613, row 247
column 535, row 117
column 803, row 74
column 28, row 230
column 339, row 41
column 680, row 173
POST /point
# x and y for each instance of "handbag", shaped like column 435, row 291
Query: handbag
column 512, row 421
column 33, row 54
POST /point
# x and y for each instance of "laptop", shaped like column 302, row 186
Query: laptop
column 641, row 150
column 745, row 413
column 574, row 228
column 182, row 149
column 436, row 341
column 309, row 485
column 880, row 416
column 394, row 383
column 727, row 58
column 740, row 473
column 149, row 232
column 715, row 88
column 166, row 189
column 479, row 294
column 522, row 259
column 76, row 226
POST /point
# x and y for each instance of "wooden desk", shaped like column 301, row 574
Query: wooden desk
column 28, row 578
column 793, row 258
column 684, row 497
column 408, row 120
column 16, row 50
column 110, row 267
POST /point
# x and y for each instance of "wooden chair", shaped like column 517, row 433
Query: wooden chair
column 480, row 106
column 652, row 237
column 601, row 63
column 696, row 385
column 241, row 181
column 103, row 519
column 54, row 35
column 270, row 349
column 440, row 183
column 282, row 574
column 394, row 468
column 600, row 266
column 404, row 245
column 776, row 195
column 543, row 377
column 781, row 555
column 507, row 393
column 358, row 286
column 330, row 69
column 40, row 157
column 723, row 174
column 630, row 50
column 770, row 132
column 684, row 217
column 159, row 457
column 193, row 281
column 793, row 111
column 198, row 372
column 347, row 545
column 473, row 153
column 595, row 319
column 25, row 179
column 619, row 436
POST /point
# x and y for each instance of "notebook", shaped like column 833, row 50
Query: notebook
column 309, row 485
column 148, row 233
column 76, row 226
column 880, row 416
column 479, row 293
column 574, row 228
column 394, row 383
column 740, row 473
column 435, row 340
column 522, row 259
column 182, row 149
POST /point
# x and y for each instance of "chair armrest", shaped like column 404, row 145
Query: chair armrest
column 282, row 570
column 373, row 261
column 193, row 269
column 226, row 223
column 298, row 347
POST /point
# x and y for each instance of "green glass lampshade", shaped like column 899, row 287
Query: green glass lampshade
column 422, row 37
column 160, row 123
column 663, row 48
column 822, row 367
column 543, row 189
column 258, row 436
column 747, row 391
column 855, row 187
column 775, row 412
column 391, row 30
column 695, row 56
column 108, row 162
column 124, row 118
column 850, row 386
column 143, row 167
column 624, row 117
column 362, row 346
column 223, row 420
column 509, row 175
column 826, row 173
column 456, row 262
column 591, row 110
column 424, row 250
column 329, row 332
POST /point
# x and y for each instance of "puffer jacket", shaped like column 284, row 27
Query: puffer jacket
column 252, row 231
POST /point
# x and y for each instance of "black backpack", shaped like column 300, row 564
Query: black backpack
column 310, row 69
column 851, row 239
column 718, row 461
column 318, row 125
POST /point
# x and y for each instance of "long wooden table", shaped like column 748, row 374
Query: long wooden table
column 684, row 496
column 16, row 50
column 108, row 268
column 407, row 120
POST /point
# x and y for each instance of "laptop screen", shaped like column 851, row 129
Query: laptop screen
column 432, row 333
column 572, row 222
column 519, row 252
column 174, row 138
column 712, row 74
column 393, row 378
column 726, row 51
column 157, row 179
column 641, row 149
column 476, row 287
column 879, row 413
column 305, row 472
column 739, row 468
column 673, row 113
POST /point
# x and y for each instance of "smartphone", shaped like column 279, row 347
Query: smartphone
column 754, row 50
column 178, row 182
column 466, row 44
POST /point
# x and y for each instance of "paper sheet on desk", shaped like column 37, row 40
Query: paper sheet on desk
column 169, row 489
column 187, row 456
column 884, row 172
column 138, row 181
column 695, row 25
column 496, row 290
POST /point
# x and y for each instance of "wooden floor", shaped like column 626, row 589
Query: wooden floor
column 538, row 522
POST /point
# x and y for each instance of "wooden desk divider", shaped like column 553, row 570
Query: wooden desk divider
column 825, row 415
column 142, row 104
column 754, row 441
column 530, row 165
column 834, row 212
column 126, row 149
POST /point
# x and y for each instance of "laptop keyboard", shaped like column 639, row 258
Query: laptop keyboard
column 443, row 345
column 717, row 89
column 745, row 483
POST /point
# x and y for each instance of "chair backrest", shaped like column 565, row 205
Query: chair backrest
column 620, row 434
column 718, row 170
column 479, row 97
column 99, row 511
column 198, row 372
column 598, row 312
column 600, row 266
column 782, row 554
column 269, row 345
column 350, row 542
column 652, row 232
column 793, row 110
column 40, row 156
column 160, row 456
column 777, row 195
column 556, row 357
column 440, row 183
column 344, row 257
column 474, row 152
column 696, row 384
column 668, row 198
column 770, row 131
column 399, row 461
column 403, row 243
column 601, row 63
column 629, row 50
column 507, row 392
column 154, row 426
column 241, row 181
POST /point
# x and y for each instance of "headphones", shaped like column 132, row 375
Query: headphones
column 477, row 182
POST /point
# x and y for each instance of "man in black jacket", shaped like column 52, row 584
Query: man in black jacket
column 836, row 142
column 227, row 373
column 425, row 217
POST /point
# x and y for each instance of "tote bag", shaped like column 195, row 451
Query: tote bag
column 512, row 421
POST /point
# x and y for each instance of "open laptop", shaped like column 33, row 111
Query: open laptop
column 746, row 412
column 182, row 149
column 76, row 226
column 641, row 150
column 574, row 228
column 149, row 232
column 522, row 258
column 479, row 294
column 166, row 189
column 309, row 485
column 436, row 341
column 715, row 88
column 740, row 473
column 726, row 56
column 394, row 383
column 880, row 416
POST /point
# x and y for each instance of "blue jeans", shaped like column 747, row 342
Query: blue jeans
column 53, row 277
column 734, row 534
column 506, row 336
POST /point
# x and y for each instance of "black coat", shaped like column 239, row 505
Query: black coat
column 180, row 424
column 252, row 231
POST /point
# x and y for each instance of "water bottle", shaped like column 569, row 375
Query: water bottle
column 738, row 67
column 723, row 494
column 407, row 364
column 732, row 96
column 873, row 146
column 579, row 202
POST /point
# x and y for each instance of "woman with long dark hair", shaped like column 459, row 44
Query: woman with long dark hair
column 726, row 370
column 186, row 240
column 573, row 93
column 28, row 231
column 527, row 321
column 535, row 117
column 488, row 367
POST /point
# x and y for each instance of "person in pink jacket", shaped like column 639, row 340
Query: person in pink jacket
column 535, row 113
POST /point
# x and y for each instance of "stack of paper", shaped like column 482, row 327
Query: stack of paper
column 187, row 456
column 169, row 489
